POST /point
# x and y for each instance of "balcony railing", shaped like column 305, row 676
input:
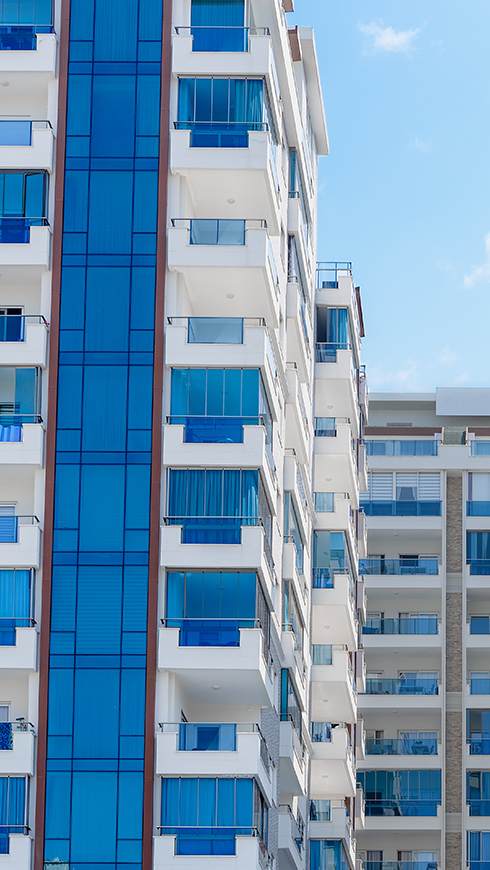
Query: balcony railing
column 323, row 578
column 210, row 632
column 479, row 744
column 401, row 865
column 17, row 230
column 326, row 351
column 215, row 737
column 16, row 132
column 9, row 527
column 212, row 530
column 21, row 37
column 12, row 326
column 478, row 508
column 480, row 448
column 402, row 746
column 479, row 567
column 478, row 807
column 221, row 134
column 217, row 330
column 409, row 625
column 11, row 426
column 402, row 508
column 328, row 274
column 206, row 231
column 479, row 685
column 402, row 448
column 321, row 732
column 215, row 430
column 224, row 38
column 399, row 686
column 7, row 729
column 401, row 807
column 479, row 624
column 399, row 566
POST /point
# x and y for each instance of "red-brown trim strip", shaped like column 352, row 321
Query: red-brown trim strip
column 50, row 462
column 402, row 430
column 156, row 454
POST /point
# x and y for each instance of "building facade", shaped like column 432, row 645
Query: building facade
column 182, row 407
column 426, row 705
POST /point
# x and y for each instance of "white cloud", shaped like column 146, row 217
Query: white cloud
column 387, row 39
column 479, row 273
column 447, row 356
column 461, row 379
column 420, row 145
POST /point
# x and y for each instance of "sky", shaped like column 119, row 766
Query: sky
column 405, row 192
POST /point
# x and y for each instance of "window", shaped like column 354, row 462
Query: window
column 478, row 845
column 478, row 504
column 330, row 556
column 219, row 112
column 290, row 704
column 11, row 324
column 16, row 593
column 215, row 404
column 8, row 524
column 212, row 505
column 218, row 25
column 206, row 813
column 328, row 855
column 403, row 494
column 324, row 502
column 325, row 427
column 292, row 529
column 478, row 792
column 320, row 811
column 23, row 202
column 401, row 792
column 333, row 333
column 215, row 330
column 13, row 809
column 478, row 731
column 478, row 552
column 19, row 395
column 210, row 607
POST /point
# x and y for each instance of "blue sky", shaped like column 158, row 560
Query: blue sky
column 405, row 192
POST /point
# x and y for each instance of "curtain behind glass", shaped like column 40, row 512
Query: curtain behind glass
column 218, row 25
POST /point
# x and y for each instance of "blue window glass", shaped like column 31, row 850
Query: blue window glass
column 478, row 731
column 290, row 703
column 327, row 854
column 218, row 25
column 220, row 112
column 478, row 552
column 401, row 792
column 207, row 737
column 13, row 809
column 330, row 556
column 478, row 792
column 292, row 529
column 215, row 330
column 23, row 203
column 16, row 603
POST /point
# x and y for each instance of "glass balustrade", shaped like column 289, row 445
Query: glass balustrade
column 401, row 746
column 479, row 686
column 401, row 508
column 478, row 508
column 479, row 625
column 215, row 330
column 399, row 566
column 399, row 686
column 402, row 448
column 409, row 625
column 321, row 732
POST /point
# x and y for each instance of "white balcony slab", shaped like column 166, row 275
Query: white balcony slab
column 25, row 263
column 422, row 585
column 290, row 856
column 247, row 556
column 32, row 351
column 332, row 765
column 422, row 525
column 332, row 693
column 243, row 673
column 215, row 175
column 19, row 760
column 337, row 453
column 22, row 656
column 20, row 853
column 298, row 417
column 250, row 453
column 477, row 702
column 249, row 856
column 26, row 553
column 475, row 823
column 245, row 761
column 293, row 769
column 29, row 451
column 213, row 273
column 477, row 641
column 25, row 63
column 335, row 385
column 38, row 155
column 299, row 343
column 333, row 617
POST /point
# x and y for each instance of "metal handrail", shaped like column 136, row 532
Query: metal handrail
column 39, row 317
column 250, row 223
column 13, row 217
column 15, row 119
column 166, row 619
column 253, row 31
column 247, row 321
column 248, row 126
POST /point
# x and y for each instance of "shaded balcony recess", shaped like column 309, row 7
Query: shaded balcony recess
column 210, row 231
column 321, row 809
column 398, row 686
column 401, row 508
column 406, row 625
column 402, row 746
column 19, row 132
column 215, row 737
column 13, row 326
column 9, row 527
column 17, row 230
column 221, row 38
column 415, row 566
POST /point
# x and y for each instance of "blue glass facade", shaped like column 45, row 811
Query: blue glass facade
column 98, row 642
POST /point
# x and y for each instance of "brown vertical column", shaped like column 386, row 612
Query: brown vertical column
column 156, row 457
column 57, row 226
column 454, row 672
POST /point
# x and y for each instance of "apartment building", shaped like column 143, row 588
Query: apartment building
column 182, row 408
column 426, row 707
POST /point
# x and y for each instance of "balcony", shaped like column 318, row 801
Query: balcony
column 402, row 865
column 398, row 567
column 333, row 599
column 334, row 760
column 25, row 250
column 291, row 839
column 293, row 761
column 22, row 656
column 20, row 542
column 478, row 632
column 20, row 846
column 226, row 276
column 402, row 508
column 22, row 444
column 250, row 854
column 242, row 673
column 335, row 288
column 413, row 693
column 333, row 697
column 420, row 747
column 247, row 173
column 208, row 749
column 17, row 742
column 299, row 330
column 385, row 633
column 400, row 808
column 330, row 820
column 298, row 415
column 23, row 340
column 26, row 144
column 334, row 454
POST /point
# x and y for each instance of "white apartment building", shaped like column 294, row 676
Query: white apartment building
column 426, row 706
column 182, row 406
